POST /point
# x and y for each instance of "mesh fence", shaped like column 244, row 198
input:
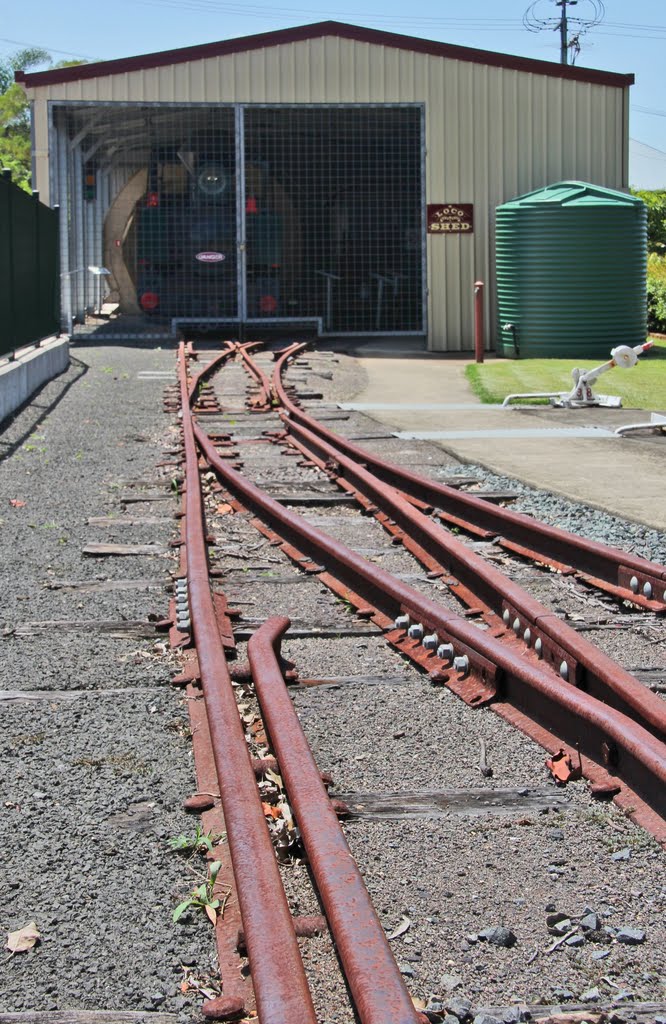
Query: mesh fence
column 254, row 214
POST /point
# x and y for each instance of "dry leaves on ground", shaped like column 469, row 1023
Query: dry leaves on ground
column 23, row 939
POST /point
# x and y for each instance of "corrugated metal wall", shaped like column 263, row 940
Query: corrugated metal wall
column 491, row 134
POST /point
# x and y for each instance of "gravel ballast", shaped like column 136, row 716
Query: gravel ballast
column 93, row 779
column 561, row 903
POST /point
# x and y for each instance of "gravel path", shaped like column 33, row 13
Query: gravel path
column 98, row 761
column 96, row 757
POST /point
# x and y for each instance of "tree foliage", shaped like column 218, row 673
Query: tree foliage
column 15, row 115
column 655, row 202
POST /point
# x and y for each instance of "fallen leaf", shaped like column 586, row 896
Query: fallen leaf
column 418, row 1003
column 275, row 779
column 403, row 927
column 16, row 503
column 212, row 916
column 224, row 509
column 23, row 939
column 270, row 810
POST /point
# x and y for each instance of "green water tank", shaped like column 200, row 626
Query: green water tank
column 571, row 272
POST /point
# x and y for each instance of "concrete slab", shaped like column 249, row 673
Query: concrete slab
column 20, row 378
column 572, row 452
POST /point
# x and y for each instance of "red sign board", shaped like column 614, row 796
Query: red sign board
column 450, row 218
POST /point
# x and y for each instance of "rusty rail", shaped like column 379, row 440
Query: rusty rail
column 605, row 735
column 622, row 574
column 278, row 976
column 574, row 657
column 263, row 398
column 374, row 979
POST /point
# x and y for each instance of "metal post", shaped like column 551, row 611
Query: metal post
column 478, row 321
column 564, row 40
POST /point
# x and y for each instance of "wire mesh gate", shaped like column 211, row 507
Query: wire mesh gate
column 258, row 214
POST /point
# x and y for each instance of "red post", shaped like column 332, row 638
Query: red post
column 478, row 321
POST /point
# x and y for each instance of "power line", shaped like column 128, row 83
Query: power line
column 648, row 110
column 659, row 153
column 49, row 49
column 569, row 43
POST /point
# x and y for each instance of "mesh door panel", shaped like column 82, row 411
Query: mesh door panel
column 333, row 216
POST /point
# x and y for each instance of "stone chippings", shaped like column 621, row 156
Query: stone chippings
column 477, row 891
column 592, row 523
column 91, row 788
column 460, row 880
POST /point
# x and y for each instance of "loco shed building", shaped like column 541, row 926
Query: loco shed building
column 327, row 177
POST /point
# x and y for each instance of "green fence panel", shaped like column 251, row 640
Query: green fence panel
column 29, row 277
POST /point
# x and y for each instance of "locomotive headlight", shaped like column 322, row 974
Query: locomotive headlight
column 211, row 180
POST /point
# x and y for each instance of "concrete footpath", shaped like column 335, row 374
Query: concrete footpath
column 570, row 452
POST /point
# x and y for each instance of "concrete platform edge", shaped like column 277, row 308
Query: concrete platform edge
column 22, row 377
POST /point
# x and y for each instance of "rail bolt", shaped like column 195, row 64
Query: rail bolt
column 445, row 652
column 527, row 636
column 402, row 622
column 647, row 590
column 564, row 670
column 416, row 631
column 431, row 642
column 516, row 626
column 461, row 664
column 506, row 616
column 538, row 646
column 633, row 583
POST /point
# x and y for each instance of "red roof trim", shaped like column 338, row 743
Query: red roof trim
column 316, row 31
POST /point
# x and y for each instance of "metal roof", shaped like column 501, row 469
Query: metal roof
column 316, row 31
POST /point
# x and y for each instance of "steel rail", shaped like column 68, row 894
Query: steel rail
column 263, row 398
column 376, row 985
column 210, row 368
column 278, row 976
column 579, row 719
column 585, row 664
column 626, row 575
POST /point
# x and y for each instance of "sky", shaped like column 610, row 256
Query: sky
column 630, row 38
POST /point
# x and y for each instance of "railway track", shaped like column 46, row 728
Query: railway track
column 504, row 650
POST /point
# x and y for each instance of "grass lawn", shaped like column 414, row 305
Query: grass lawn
column 642, row 387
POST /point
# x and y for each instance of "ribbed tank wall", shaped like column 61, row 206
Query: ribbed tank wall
column 571, row 272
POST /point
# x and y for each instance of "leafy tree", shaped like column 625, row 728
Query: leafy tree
column 14, row 115
column 655, row 202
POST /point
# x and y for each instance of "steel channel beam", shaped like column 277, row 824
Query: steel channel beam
column 374, row 979
column 603, row 677
column 580, row 719
column 278, row 976
column 597, row 560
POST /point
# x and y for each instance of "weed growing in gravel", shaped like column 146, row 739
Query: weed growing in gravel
column 200, row 842
column 203, row 897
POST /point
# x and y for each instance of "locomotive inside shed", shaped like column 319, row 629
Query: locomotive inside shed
column 264, row 214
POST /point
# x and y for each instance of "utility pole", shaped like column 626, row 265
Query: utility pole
column 564, row 36
column 536, row 21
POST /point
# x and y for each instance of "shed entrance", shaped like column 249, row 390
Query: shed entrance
column 246, row 214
